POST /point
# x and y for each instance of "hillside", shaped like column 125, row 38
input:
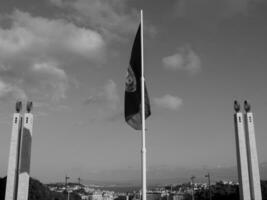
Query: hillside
column 38, row 191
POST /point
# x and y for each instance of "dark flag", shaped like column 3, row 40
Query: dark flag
column 133, row 93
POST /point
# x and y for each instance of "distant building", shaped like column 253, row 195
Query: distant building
column 107, row 195
column 84, row 197
column 95, row 196
column 154, row 196
column 176, row 197
column 121, row 197
column 99, row 195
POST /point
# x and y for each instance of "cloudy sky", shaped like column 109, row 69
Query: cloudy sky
column 70, row 58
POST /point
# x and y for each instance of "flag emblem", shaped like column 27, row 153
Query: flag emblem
column 130, row 80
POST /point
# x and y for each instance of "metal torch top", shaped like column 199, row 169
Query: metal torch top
column 236, row 106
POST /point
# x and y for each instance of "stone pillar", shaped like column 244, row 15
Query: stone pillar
column 25, row 157
column 13, row 162
column 253, row 164
column 241, row 152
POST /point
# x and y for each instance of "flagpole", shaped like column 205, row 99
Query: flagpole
column 143, row 151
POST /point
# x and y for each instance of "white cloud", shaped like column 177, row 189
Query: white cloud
column 107, row 100
column 9, row 91
column 111, row 94
column 184, row 59
column 49, row 68
column 51, row 78
column 110, row 17
column 52, row 36
column 36, row 52
column 168, row 101
column 107, row 96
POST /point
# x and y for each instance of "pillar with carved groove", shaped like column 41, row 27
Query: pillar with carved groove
column 241, row 154
column 13, row 161
column 25, row 155
column 253, row 164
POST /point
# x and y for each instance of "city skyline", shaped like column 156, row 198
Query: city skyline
column 70, row 58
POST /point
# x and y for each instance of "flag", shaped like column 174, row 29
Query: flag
column 133, row 92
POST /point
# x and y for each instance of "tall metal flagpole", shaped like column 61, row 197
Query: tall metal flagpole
column 143, row 115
